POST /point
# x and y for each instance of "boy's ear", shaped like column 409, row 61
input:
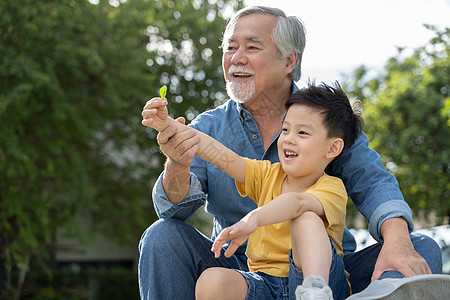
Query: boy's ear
column 335, row 148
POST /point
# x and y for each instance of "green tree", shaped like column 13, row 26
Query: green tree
column 74, row 77
column 406, row 111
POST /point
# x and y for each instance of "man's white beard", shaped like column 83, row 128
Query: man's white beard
column 241, row 91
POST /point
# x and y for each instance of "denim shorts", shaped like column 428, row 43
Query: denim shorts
column 262, row 286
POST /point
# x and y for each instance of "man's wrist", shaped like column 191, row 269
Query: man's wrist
column 395, row 230
column 175, row 167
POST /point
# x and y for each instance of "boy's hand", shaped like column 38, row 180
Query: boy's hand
column 154, row 114
column 237, row 233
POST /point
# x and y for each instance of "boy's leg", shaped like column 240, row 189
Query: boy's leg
column 173, row 254
column 314, row 253
column 311, row 250
column 337, row 277
column 361, row 264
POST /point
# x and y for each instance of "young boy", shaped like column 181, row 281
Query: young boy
column 296, row 231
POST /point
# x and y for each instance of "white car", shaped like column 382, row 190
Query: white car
column 441, row 234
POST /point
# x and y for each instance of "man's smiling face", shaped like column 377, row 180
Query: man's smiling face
column 250, row 60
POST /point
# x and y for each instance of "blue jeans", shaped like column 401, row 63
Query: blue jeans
column 361, row 264
column 262, row 286
column 173, row 254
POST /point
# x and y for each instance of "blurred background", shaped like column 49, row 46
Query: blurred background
column 77, row 167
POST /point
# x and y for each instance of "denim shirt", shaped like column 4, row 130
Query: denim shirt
column 373, row 190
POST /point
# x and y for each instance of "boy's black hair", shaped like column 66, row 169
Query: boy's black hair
column 340, row 118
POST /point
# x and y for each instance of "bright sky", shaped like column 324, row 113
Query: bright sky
column 344, row 34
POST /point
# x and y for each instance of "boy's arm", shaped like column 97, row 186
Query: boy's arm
column 155, row 116
column 285, row 207
column 222, row 157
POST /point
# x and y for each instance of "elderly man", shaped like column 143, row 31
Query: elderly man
column 262, row 51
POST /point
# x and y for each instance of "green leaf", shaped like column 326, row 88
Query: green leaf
column 163, row 91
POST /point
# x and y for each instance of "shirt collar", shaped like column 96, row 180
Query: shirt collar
column 243, row 113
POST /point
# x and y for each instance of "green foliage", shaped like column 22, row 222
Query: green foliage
column 407, row 119
column 74, row 77
column 99, row 284
column 184, row 51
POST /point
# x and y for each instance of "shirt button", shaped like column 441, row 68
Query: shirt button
column 254, row 136
column 244, row 114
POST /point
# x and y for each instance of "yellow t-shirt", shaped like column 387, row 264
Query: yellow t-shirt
column 268, row 247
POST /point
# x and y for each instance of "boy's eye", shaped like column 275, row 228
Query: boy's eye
column 284, row 130
column 301, row 132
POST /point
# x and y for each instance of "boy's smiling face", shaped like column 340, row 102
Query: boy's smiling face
column 303, row 143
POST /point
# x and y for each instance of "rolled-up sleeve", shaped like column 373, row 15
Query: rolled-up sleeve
column 183, row 210
column 388, row 210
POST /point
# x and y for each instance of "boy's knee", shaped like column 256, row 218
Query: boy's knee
column 307, row 217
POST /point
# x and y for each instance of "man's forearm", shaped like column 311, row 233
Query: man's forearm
column 395, row 230
column 175, row 181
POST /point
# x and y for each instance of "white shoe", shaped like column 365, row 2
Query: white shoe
column 420, row 287
column 313, row 288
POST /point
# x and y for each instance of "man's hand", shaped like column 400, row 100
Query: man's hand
column 397, row 253
column 179, row 146
column 176, row 141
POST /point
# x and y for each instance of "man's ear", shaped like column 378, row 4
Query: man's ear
column 336, row 148
column 290, row 61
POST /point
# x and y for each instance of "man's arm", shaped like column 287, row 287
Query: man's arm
column 373, row 190
column 179, row 148
column 376, row 194
column 155, row 116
